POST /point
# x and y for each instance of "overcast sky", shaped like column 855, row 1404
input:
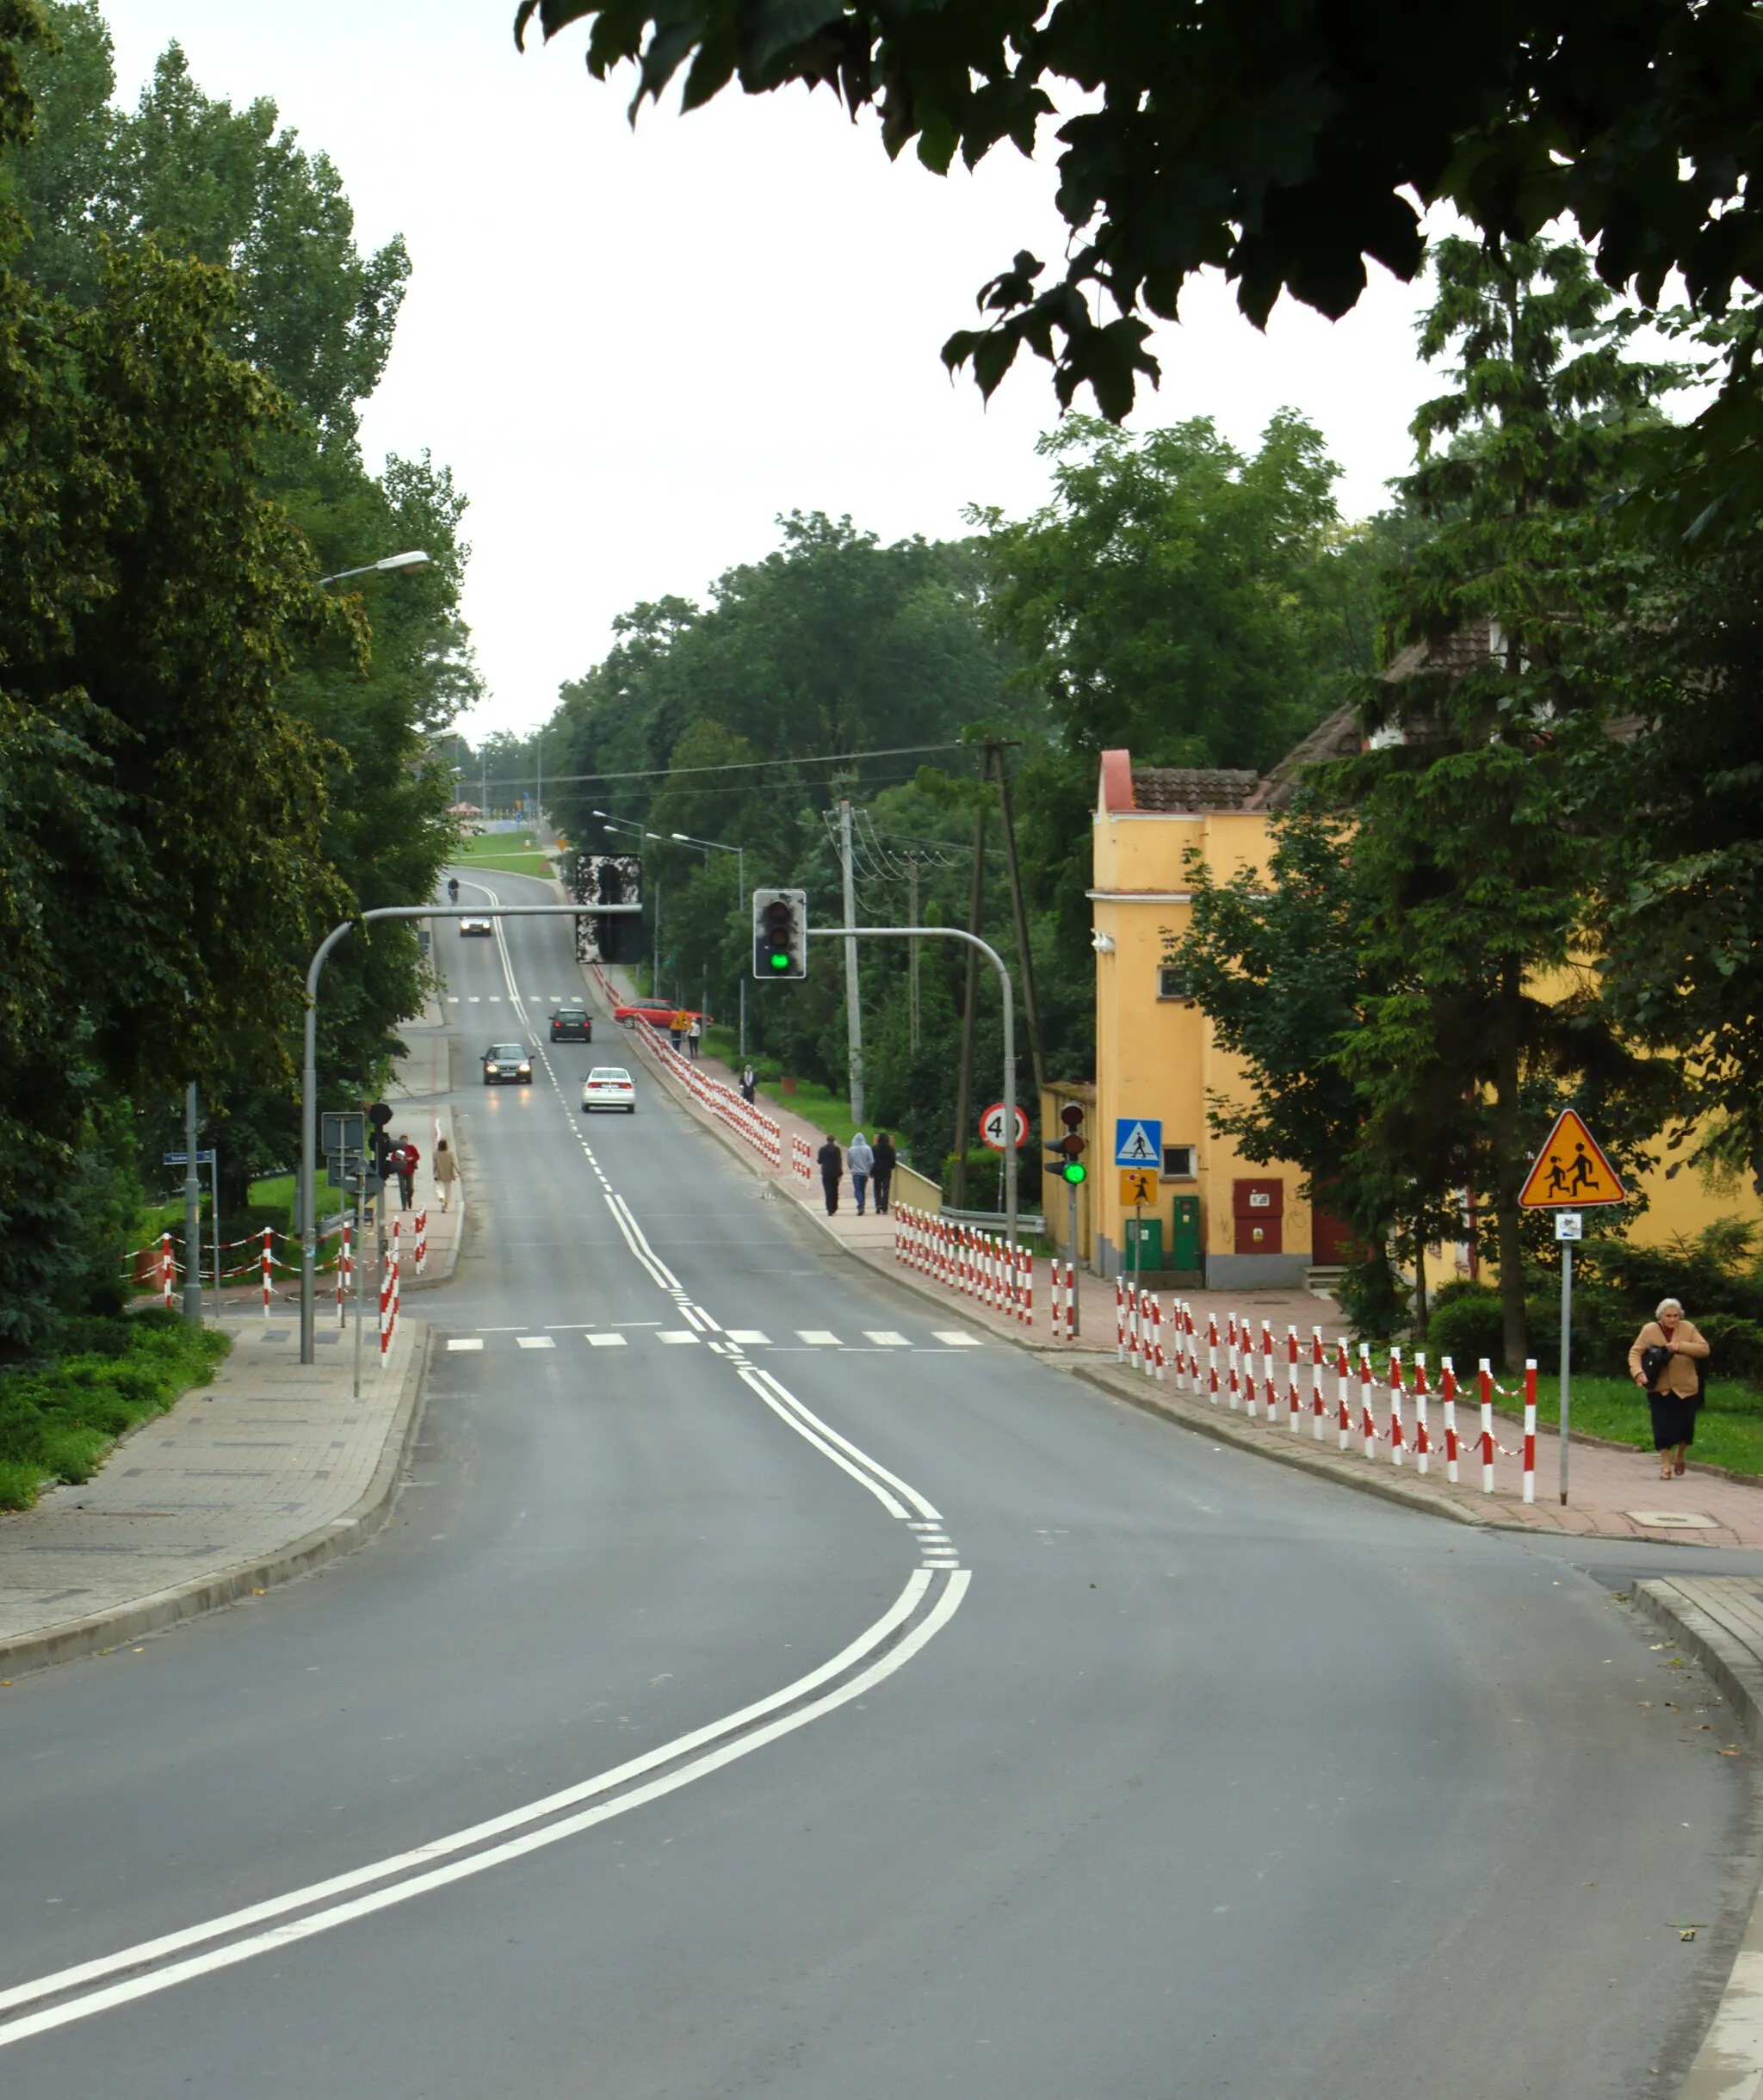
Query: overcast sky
column 636, row 348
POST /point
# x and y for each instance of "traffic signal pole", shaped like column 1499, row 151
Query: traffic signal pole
column 309, row 1076
column 972, row 940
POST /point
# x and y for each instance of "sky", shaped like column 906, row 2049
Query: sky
column 637, row 348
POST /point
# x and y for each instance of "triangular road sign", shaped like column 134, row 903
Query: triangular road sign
column 1570, row 1172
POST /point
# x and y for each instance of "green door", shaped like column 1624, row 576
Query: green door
column 1147, row 1235
column 1184, row 1236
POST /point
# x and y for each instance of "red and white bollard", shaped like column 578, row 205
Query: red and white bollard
column 267, row 1258
column 422, row 1232
column 167, row 1269
column 1486, row 1381
column 345, row 1272
column 1233, row 1354
column 1368, row 1425
column 1212, row 1357
column 1319, row 1406
column 1153, row 1337
column 1272, row 1397
column 1294, row 1406
column 1119, row 1320
column 1396, row 1434
column 1423, row 1443
column 1343, row 1373
column 1529, row 1428
column 1447, row 1393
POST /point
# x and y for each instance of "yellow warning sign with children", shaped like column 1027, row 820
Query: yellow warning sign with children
column 1570, row 1172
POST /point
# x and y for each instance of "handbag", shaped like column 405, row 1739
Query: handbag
column 1654, row 1360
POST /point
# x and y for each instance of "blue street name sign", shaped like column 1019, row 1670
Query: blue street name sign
column 182, row 1160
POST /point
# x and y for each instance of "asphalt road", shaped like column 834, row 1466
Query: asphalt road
column 969, row 1731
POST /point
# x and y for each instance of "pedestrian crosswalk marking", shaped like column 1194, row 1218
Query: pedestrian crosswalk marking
column 475, row 1342
column 950, row 1339
column 606, row 1341
column 534, row 1341
column 885, row 1338
column 817, row 1338
column 474, row 1000
column 684, row 1334
column 750, row 1336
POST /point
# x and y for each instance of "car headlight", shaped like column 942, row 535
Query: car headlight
column 526, row 1071
column 493, row 1068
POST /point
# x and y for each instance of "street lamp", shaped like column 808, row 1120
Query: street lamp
column 716, row 845
column 416, row 559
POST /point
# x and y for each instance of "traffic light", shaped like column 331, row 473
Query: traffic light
column 380, row 1144
column 780, row 934
column 1066, row 1159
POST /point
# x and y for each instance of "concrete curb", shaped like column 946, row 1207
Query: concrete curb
column 150, row 1615
column 1728, row 2065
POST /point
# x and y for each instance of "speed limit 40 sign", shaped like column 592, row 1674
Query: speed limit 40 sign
column 994, row 1128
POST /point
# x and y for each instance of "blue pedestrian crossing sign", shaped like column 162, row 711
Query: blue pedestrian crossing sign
column 1138, row 1142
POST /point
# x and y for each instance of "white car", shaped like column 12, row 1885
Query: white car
column 608, row 1086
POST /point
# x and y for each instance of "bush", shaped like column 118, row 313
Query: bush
column 985, row 1177
column 1371, row 1297
column 1465, row 1325
column 59, row 1420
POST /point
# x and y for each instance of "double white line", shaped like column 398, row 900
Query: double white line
column 883, row 1648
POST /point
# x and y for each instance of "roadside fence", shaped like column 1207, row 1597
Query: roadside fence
column 976, row 1263
column 750, row 1124
column 388, row 1292
column 802, row 1157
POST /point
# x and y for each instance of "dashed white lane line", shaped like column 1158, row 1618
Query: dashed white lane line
column 473, row 1341
column 749, row 1336
column 684, row 1334
column 885, row 1338
column 950, row 1339
column 606, row 1341
column 817, row 1338
column 534, row 1341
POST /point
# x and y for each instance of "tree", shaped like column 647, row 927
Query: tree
column 1476, row 846
column 1282, row 145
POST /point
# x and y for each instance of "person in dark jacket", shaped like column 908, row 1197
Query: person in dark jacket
column 832, row 1173
column 882, row 1174
column 405, row 1157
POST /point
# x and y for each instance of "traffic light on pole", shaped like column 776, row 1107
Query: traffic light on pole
column 1066, row 1159
column 780, row 934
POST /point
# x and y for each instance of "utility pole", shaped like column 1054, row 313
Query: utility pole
column 970, row 1016
column 192, row 1211
column 911, row 952
column 853, row 1010
column 1030, row 1011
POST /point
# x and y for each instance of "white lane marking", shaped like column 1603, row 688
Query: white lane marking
column 759, row 1380
column 678, row 1334
column 475, row 1342
column 885, row 1338
column 903, row 1606
column 950, row 1339
column 707, row 1320
column 918, row 1526
column 534, row 1341
column 750, row 1335
column 474, row 1000
column 495, row 998
column 606, row 1341
column 452, row 998
column 911, row 1494
column 690, row 1318
column 817, row 1338
column 625, row 1226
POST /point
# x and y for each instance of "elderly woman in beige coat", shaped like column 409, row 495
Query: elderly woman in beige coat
column 1674, row 1391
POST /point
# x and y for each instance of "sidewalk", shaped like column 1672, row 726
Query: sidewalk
column 270, row 1471
column 267, row 1471
column 1613, row 1493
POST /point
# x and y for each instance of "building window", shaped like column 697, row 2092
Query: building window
column 1179, row 1162
column 1172, row 984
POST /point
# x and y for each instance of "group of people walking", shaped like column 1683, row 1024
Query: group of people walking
column 872, row 1170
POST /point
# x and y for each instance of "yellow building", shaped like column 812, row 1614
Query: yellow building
column 1216, row 1218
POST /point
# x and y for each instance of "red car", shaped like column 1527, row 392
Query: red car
column 658, row 1017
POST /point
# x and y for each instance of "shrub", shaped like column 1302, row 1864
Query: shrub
column 1465, row 1325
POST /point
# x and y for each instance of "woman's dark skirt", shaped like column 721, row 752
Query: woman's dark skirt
column 1674, row 1420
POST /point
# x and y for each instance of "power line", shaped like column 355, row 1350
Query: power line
column 741, row 765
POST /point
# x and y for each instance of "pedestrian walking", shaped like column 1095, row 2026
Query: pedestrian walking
column 1665, row 1361
column 882, row 1172
column 446, row 1171
column 675, row 1028
column 404, row 1157
column 749, row 1086
column 861, row 1158
column 832, row 1173
column 694, row 1035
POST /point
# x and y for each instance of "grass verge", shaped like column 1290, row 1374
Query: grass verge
column 1729, row 1425
column 512, row 853
column 60, row 1420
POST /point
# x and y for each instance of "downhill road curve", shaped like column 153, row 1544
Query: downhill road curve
column 818, row 1703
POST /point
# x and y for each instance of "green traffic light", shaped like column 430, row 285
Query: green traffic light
column 1075, row 1172
column 780, row 961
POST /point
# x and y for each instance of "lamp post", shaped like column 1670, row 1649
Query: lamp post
column 716, row 845
column 415, row 559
